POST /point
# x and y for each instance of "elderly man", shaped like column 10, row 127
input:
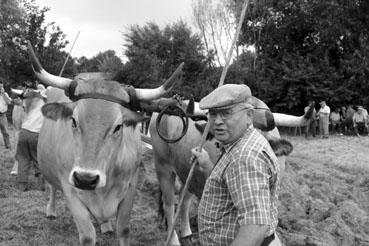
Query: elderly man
column 360, row 121
column 5, row 100
column 323, row 115
column 239, row 202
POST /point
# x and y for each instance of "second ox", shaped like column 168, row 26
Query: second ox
column 173, row 159
column 90, row 148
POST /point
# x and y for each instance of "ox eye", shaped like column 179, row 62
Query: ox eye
column 117, row 128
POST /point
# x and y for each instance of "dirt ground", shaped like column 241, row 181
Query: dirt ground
column 324, row 200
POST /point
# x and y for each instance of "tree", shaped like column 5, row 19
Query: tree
column 23, row 20
column 217, row 24
column 308, row 50
column 107, row 62
column 153, row 55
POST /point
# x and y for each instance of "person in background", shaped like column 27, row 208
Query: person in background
column 239, row 202
column 335, row 120
column 348, row 124
column 26, row 153
column 5, row 100
column 323, row 115
column 312, row 123
column 360, row 121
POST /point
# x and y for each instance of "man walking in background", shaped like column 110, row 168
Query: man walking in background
column 5, row 100
column 323, row 115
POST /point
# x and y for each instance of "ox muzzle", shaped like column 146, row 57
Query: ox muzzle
column 87, row 179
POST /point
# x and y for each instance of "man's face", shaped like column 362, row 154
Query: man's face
column 2, row 88
column 230, row 124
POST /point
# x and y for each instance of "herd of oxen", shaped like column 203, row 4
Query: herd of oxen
column 90, row 148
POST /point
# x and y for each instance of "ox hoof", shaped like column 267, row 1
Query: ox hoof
column 107, row 228
column 51, row 217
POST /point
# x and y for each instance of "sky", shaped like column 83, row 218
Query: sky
column 102, row 22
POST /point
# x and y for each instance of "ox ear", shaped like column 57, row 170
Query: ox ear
column 281, row 146
column 201, row 128
column 263, row 120
column 55, row 111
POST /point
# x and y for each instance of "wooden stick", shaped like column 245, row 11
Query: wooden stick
column 66, row 59
column 207, row 127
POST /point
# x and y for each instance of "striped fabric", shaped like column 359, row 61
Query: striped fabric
column 242, row 189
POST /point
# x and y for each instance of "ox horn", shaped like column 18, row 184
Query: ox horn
column 16, row 91
column 45, row 77
column 288, row 120
column 151, row 94
column 293, row 121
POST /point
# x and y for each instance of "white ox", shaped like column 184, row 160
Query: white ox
column 173, row 159
column 90, row 148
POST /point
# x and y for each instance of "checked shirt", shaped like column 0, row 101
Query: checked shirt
column 241, row 189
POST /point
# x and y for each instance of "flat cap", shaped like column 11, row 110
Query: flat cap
column 225, row 96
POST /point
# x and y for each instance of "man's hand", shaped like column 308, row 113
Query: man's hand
column 205, row 164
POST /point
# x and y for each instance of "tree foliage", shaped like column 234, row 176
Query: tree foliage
column 308, row 50
column 154, row 53
column 23, row 20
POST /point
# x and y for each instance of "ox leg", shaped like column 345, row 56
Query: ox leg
column 185, row 217
column 81, row 216
column 124, row 213
column 50, row 209
column 167, row 180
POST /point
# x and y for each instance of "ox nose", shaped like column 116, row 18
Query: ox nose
column 85, row 181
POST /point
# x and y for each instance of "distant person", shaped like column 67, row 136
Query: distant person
column 26, row 153
column 5, row 100
column 335, row 120
column 312, row 123
column 323, row 115
column 348, row 124
column 360, row 122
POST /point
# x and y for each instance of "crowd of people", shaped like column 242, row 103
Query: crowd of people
column 26, row 145
column 345, row 120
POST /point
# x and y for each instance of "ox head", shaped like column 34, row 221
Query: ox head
column 102, row 122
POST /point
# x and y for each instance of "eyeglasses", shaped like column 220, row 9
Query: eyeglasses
column 224, row 114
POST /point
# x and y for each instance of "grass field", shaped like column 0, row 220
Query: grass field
column 324, row 201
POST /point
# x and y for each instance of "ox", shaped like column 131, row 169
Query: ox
column 173, row 159
column 90, row 147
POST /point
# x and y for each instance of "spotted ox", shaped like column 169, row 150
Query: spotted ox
column 89, row 147
column 173, row 159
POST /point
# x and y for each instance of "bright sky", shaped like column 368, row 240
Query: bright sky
column 102, row 22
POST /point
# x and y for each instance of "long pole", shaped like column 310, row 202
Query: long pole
column 66, row 59
column 207, row 127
